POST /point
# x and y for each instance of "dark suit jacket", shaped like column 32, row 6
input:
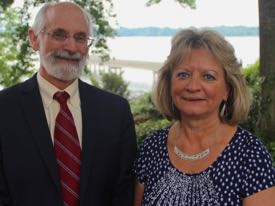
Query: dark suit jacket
column 28, row 168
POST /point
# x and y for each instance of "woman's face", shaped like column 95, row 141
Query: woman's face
column 198, row 85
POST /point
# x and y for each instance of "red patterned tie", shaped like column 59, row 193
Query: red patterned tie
column 67, row 150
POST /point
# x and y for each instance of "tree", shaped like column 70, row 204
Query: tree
column 5, row 3
column 16, row 34
column 15, row 58
column 183, row 3
column 267, row 66
column 147, row 118
column 113, row 81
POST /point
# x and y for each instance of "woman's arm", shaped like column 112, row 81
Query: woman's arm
column 139, row 189
column 264, row 198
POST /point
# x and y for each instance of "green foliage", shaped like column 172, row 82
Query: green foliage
column 147, row 118
column 91, row 76
column 254, row 81
column 101, row 11
column 113, row 81
column 5, row 3
column 15, row 58
column 184, row 3
column 144, row 108
column 146, row 128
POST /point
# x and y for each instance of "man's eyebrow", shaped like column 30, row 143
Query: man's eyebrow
column 60, row 29
column 81, row 33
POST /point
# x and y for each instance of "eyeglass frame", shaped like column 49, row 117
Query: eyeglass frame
column 67, row 36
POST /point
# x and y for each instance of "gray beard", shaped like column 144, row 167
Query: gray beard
column 63, row 71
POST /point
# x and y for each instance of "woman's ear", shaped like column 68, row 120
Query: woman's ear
column 34, row 40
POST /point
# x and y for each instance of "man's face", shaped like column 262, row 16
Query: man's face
column 63, row 58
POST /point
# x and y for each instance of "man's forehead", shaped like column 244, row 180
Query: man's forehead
column 66, row 16
column 65, row 11
column 66, row 6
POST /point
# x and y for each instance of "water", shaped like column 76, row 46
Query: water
column 156, row 49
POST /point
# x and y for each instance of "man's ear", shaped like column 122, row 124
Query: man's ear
column 34, row 40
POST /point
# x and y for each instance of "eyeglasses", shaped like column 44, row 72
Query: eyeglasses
column 61, row 36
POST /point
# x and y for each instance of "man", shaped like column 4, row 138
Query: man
column 64, row 152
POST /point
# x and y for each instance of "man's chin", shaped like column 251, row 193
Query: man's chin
column 66, row 77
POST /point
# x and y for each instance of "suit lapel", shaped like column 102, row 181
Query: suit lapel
column 36, row 119
column 89, row 135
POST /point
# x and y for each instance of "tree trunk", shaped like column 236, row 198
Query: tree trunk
column 267, row 67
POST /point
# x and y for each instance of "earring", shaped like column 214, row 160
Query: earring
column 223, row 109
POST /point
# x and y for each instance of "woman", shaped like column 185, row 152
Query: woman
column 204, row 158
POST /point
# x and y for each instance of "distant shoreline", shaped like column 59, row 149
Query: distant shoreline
column 167, row 31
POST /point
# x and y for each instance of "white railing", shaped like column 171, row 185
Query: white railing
column 119, row 64
column 95, row 64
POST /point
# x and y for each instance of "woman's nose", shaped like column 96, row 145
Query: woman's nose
column 194, row 83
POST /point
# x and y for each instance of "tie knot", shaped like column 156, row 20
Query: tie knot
column 61, row 97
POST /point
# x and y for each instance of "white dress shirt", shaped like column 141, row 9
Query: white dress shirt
column 52, row 107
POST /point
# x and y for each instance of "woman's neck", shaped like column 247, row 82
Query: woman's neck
column 199, row 132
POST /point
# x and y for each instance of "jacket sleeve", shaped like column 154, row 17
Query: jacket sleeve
column 124, row 190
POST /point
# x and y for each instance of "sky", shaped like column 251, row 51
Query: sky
column 168, row 13
column 134, row 13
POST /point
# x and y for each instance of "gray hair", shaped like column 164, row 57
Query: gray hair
column 41, row 19
column 238, row 102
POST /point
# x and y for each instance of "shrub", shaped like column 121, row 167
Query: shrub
column 111, row 81
column 254, row 81
column 147, row 118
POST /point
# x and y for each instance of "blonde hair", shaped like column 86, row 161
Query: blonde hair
column 238, row 102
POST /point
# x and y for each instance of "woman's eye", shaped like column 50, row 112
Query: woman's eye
column 209, row 77
column 183, row 75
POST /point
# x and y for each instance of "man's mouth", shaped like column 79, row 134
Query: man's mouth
column 66, row 56
column 71, row 59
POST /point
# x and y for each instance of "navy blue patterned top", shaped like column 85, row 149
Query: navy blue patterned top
column 242, row 169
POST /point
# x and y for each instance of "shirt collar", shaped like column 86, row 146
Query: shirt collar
column 47, row 90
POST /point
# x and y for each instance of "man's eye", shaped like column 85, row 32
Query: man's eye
column 80, row 38
column 59, row 35
column 183, row 75
column 209, row 77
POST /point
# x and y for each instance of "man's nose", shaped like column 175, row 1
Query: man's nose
column 70, row 44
